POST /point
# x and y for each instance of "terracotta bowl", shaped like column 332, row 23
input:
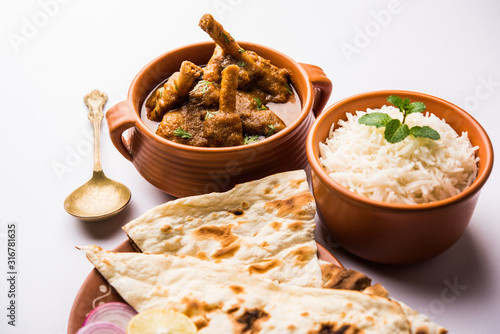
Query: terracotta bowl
column 182, row 170
column 395, row 233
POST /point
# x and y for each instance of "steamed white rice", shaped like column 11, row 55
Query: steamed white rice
column 412, row 171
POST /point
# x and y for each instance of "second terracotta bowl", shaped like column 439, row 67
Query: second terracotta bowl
column 182, row 170
column 395, row 233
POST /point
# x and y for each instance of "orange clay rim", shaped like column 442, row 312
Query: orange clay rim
column 306, row 105
column 487, row 159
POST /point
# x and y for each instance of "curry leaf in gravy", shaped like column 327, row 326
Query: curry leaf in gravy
column 226, row 38
column 288, row 89
column 271, row 130
column 180, row 132
column 250, row 139
column 240, row 50
column 260, row 106
column 241, row 64
column 204, row 85
column 160, row 91
column 210, row 114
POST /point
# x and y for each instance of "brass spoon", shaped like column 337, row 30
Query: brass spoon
column 100, row 197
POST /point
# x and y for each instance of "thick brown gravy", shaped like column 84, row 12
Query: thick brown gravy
column 287, row 111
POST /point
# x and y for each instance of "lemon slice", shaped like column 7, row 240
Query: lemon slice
column 160, row 321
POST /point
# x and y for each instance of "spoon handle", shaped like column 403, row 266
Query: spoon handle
column 95, row 101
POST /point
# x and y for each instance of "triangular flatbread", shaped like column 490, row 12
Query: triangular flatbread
column 226, row 299
column 266, row 226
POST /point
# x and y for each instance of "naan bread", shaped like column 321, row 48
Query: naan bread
column 226, row 299
column 265, row 226
column 419, row 323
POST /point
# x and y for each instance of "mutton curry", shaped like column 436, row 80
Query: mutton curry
column 225, row 103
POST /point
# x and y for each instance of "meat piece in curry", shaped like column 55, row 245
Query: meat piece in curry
column 264, row 76
column 172, row 93
column 224, row 128
column 224, row 103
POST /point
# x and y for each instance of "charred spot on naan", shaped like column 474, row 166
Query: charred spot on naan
column 275, row 225
column 335, row 277
column 377, row 290
column 237, row 212
column 107, row 262
column 222, row 234
column 197, row 310
column 237, row 289
column 296, row 226
column 303, row 254
column 232, row 309
column 332, row 328
column 250, row 321
column 271, row 186
column 202, row 255
column 296, row 183
column 166, row 228
column 240, row 211
column 422, row 330
column 200, row 322
column 296, row 207
column 226, row 252
column 264, row 244
column 264, row 266
column 195, row 307
column 425, row 330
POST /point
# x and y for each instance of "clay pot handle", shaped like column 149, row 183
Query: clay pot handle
column 121, row 117
column 322, row 87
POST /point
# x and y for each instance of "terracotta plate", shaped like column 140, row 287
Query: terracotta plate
column 95, row 290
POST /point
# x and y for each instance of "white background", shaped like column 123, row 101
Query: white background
column 54, row 52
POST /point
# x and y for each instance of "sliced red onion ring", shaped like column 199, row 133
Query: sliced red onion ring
column 114, row 312
column 101, row 327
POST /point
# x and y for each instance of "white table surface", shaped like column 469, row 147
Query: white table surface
column 53, row 52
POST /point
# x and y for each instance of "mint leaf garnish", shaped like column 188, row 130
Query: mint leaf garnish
column 395, row 130
column 396, row 101
column 415, row 107
column 377, row 119
column 424, row 132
